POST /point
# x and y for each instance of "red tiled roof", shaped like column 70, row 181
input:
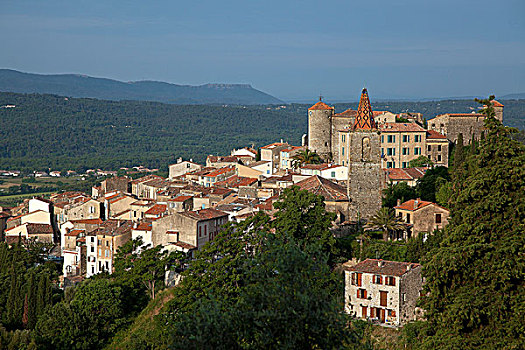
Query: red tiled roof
column 81, row 239
column 144, row 226
column 87, row 221
column 236, row 181
column 320, row 106
column 496, row 103
column 157, row 209
column 348, row 113
column 275, row 144
column 396, row 174
column 204, row 214
column 74, row 233
column 383, row 267
column 219, row 172
column 226, row 159
column 401, row 127
column 431, row 134
column 185, row 245
column 323, row 166
column 326, row 188
column 413, row 204
column 180, row 199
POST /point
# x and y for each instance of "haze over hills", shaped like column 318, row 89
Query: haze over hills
column 75, row 85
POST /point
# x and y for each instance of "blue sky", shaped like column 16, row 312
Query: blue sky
column 290, row 49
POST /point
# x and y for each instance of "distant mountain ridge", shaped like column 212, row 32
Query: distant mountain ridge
column 79, row 85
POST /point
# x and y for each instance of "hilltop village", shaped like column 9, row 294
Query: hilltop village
column 348, row 158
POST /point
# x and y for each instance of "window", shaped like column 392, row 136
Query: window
column 439, row 148
column 389, row 151
column 439, row 157
column 405, row 165
column 406, row 138
column 106, row 253
column 92, row 249
column 404, row 296
column 429, row 148
column 382, row 138
column 417, row 138
column 417, row 150
column 390, row 280
column 406, row 151
column 364, row 311
column 343, row 138
column 408, row 218
column 383, row 296
column 382, row 152
column 91, row 209
column 343, row 151
column 99, row 242
column 378, row 279
column 200, row 231
column 438, row 218
column 92, row 239
column 391, row 138
column 107, row 243
column 92, row 269
column 391, row 313
column 389, row 165
column 357, row 279
column 333, row 174
column 361, row 293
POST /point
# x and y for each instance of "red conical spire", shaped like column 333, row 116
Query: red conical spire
column 365, row 118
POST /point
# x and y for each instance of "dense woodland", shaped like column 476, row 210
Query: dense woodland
column 47, row 131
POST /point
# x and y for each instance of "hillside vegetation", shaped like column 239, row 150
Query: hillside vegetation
column 48, row 131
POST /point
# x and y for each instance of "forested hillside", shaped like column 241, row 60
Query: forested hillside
column 48, row 131
column 76, row 85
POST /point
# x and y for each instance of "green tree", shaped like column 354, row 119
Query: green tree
column 386, row 221
column 475, row 286
column 459, row 152
column 400, row 191
column 305, row 157
column 421, row 161
column 427, row 186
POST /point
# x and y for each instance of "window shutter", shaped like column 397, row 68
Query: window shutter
column 359, row 279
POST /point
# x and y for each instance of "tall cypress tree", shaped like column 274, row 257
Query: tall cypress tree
column 31, row 302
column 459, row 152
column 475, row 286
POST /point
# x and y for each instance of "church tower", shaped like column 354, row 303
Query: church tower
column 366, row 179
column 320, row 129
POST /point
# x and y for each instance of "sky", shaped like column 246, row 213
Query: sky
column 294, row 50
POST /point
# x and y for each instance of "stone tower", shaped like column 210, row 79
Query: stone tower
column 320, row 129
column 366, row 178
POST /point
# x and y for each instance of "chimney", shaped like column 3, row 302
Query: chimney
column 398, row 202
column 118, row 223
column 179, row 160
column 409, row 267
column 416, row 203
column 380, row 263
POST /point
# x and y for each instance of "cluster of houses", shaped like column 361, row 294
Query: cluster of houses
column 189, row 208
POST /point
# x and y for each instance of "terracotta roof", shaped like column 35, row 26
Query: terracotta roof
column 81, row 239
column 496, row 103
column 326, row 188
column 401, row 127
column 383, row 267
column 204, row 214
column 275, row 144
column 184, row 245
column 226, row 159
column 236, row 181
column 413, row 204
column 39, row 229
column 431, row 134
column 348, row 113
column 87, row 221
column 143, row 226
column 219, row 172
column 261, row 162
column 157, row 209
column 74, row 233
column 323, row 166
column 113, row 227
column 404, row 174
column 320, row 106
column 180, row 199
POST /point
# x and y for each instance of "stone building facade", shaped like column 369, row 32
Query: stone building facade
column 471, row 125
column 422, row 216
column 385, row 291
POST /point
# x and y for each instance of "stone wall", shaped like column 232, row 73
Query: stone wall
column 338, row 123
column 409, row 288
column 320, row 132
column 425, row 219
column 366, row 178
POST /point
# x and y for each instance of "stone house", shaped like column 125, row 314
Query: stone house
column 286, row 157
column 139, row 208
column 74, row 253
column 142, row 230
column 110, row 236
column 332, row 172
column 30, row 231
column 335, row 196
column 272, row 152
column 401, row 143
column 87, row 208
column 181, row 168
column 117, row 203
column 263, row 167
column 221, row 162
column 437, row 148
column 383, row 117
column 195, row 228
column 383, row 291
column 180, row 203
column 156, row 211
column 137, row 185
column 471, row 125
column 423, row 216
column 209, row 179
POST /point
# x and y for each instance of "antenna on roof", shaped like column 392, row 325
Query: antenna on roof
column 320, row 97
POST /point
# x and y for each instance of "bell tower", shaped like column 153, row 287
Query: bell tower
column 366, row 179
